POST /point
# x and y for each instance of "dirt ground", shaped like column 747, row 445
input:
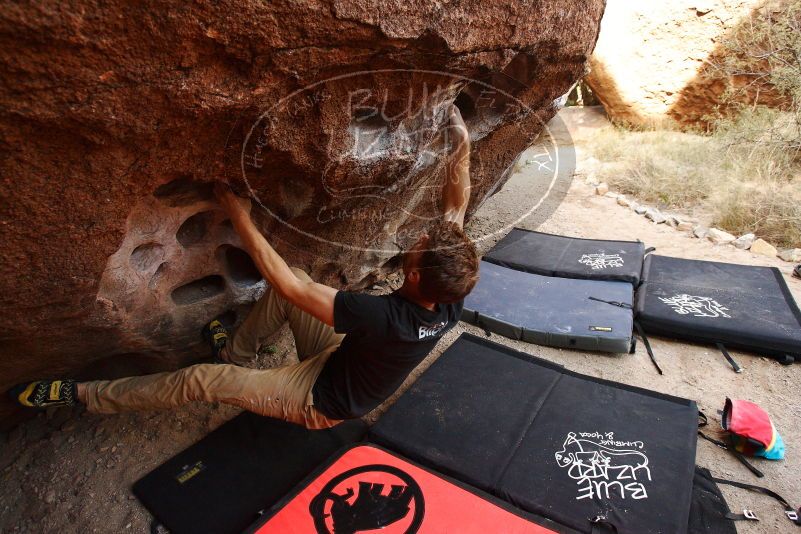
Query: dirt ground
column 70, row 471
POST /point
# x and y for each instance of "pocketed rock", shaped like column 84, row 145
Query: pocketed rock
column 791, row 254
column 116, row 120
column 760, row 246
column 719, row 237
column 744, row 242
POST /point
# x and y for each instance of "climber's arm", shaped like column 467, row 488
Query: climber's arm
column 456, row 193
column 311, row 297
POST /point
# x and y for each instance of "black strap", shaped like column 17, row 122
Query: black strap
column 641, row 332
column 734, row 452
column 734, row 365
column 791, row 513
column 481, row 325
column 702, row 419
column 613, row 303
column 747, row 515
column 649, row 250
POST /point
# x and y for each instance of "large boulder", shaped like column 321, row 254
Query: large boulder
column 658, row 62
column 117, row 116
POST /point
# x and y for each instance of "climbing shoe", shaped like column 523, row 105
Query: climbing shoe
column 46, row 393
column 216, row 335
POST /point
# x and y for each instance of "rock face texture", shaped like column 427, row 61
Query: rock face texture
column 653, row 59
column 115, row 118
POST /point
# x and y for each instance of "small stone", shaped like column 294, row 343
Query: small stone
column 684, row 226
column 700, row 231
column 610, row 194
column 640, row 209
column 760, row 246
column 744, row 242
column 50, row 497
column 655, row 215
column 602, row 189
column 791, row 254
column 591, row 179
column 623, row 201
column 719, row 237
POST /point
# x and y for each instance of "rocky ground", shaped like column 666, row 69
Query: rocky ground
column 71, row 471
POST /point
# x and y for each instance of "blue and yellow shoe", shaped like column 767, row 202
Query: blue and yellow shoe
column 45, row 393
column 217, row 336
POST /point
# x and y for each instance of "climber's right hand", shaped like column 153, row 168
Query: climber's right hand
column 233, row 205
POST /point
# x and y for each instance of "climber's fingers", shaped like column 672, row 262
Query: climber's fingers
column 455, row 113
column 230, row 202
column 458, row 129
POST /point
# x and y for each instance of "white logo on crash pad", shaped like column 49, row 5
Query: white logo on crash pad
column 604, row 467
column 696, row 306
column 601, row 261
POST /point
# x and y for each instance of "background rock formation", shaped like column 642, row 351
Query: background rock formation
column 655, row 60
column 116, row 116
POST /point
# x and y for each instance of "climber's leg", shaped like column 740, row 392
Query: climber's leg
column 283, row 392
column 312, row 336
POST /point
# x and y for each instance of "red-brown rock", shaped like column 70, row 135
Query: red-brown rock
column 116, row 116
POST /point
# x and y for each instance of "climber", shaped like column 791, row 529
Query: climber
column 354, row 349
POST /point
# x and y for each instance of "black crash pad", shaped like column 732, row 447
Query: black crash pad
column 221, row 483
column 558, row 312
column 569, row 257
column 551, row 441
column 740, row 306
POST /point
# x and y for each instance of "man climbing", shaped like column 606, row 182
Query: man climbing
column 354, row 349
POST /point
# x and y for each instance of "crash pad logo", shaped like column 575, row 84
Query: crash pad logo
column 696, row 306
column 367, row 498
column 604, row 467
column 601, row 261
column 370, row 151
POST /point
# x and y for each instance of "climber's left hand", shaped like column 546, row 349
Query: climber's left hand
column 232, row 204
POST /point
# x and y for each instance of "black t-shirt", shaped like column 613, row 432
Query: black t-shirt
column 386, row 337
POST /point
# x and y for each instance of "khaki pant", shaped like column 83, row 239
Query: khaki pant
column 283, row 392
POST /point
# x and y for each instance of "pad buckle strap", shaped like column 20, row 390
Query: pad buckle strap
column 792, row 515
column 749, row 514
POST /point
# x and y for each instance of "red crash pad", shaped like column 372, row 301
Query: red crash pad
column 368, row 489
